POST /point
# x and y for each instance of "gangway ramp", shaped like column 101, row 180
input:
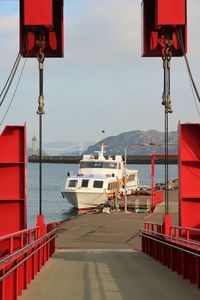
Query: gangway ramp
column 98, row 257
column 107, row 275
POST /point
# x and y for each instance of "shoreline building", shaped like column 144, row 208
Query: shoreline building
column 34, row 148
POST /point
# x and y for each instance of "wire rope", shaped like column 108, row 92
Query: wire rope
column 180, row 37
column 194, row 97
column 18, row 82
column 9, row 75
column 10, row 79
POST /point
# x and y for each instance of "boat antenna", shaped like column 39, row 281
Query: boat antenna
column 102, row 134
column 125, row 191
column 102, row 145
column 102, row 141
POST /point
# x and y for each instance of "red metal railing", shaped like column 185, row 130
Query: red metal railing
column 156, row 196
column 22, row 260
column 178, row 250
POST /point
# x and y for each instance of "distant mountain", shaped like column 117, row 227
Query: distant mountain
column 137, row 142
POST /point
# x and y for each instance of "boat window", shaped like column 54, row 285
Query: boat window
column 111, row 165
column 98, row 164
column 72, row 183
column 112, row 186
column 98, row 184
column 131, row 177
column 85, row 183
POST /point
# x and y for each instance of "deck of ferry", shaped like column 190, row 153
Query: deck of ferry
column 98, row 257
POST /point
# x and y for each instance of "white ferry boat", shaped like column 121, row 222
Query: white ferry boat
column 98, row 180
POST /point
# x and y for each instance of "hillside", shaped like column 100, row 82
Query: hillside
column 137, row 143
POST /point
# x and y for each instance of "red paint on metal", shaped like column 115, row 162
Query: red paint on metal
column 40, row 220
column 178, row 247
column 152, row 181
column 156, row 196
column 179, row 253
column 167, row 220
column 38, row 12
column 28, row 256
column 161, row 20
column 170, row 12
column 13, row 179
column 86, row 208
column 189, row 175
column 41, row 18
column 41, row 224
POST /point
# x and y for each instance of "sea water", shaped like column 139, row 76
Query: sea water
column 54, row 207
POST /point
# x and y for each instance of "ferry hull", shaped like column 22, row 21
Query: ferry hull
column 99, row 179
column 85, row 201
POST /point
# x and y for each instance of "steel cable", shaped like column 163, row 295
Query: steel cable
column 180, row 38
column 18, row 82
column 10, row 75
column 10, row 79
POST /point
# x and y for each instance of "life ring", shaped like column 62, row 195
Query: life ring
column 120, row 195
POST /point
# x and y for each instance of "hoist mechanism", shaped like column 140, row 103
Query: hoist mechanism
column 41, row 18
column 40, row 57
column 167, row 54
column 166, row 102
column 41, row 36
column 165, row 36
column 161, row 20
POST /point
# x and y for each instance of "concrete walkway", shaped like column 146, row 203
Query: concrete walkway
column 117, row 230
column 97, row 258
column 107, row 275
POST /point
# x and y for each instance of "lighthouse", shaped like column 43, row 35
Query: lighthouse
column 34, row 149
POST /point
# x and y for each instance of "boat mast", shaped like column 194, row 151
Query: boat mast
column 101, row 152
column 125, row 194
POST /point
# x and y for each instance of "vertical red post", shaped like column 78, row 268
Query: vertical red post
column 189, row 175
column 167, row 224
column 41, row 224
column 152, row 180
column 153, row 203
column 13, row 179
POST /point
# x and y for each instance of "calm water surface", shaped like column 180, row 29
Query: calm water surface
column 55, row 208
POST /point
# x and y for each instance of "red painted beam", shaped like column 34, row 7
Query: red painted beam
column 189, row 172
column 161, row 21
column 41, row 22
column 13, row 179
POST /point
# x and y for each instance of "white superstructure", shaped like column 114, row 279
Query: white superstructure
column 98, row 179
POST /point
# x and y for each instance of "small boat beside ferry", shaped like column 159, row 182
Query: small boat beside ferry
column 99, row 179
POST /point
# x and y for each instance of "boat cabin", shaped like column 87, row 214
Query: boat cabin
column 81, row 183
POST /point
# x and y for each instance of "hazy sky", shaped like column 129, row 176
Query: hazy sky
column 102, row 82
